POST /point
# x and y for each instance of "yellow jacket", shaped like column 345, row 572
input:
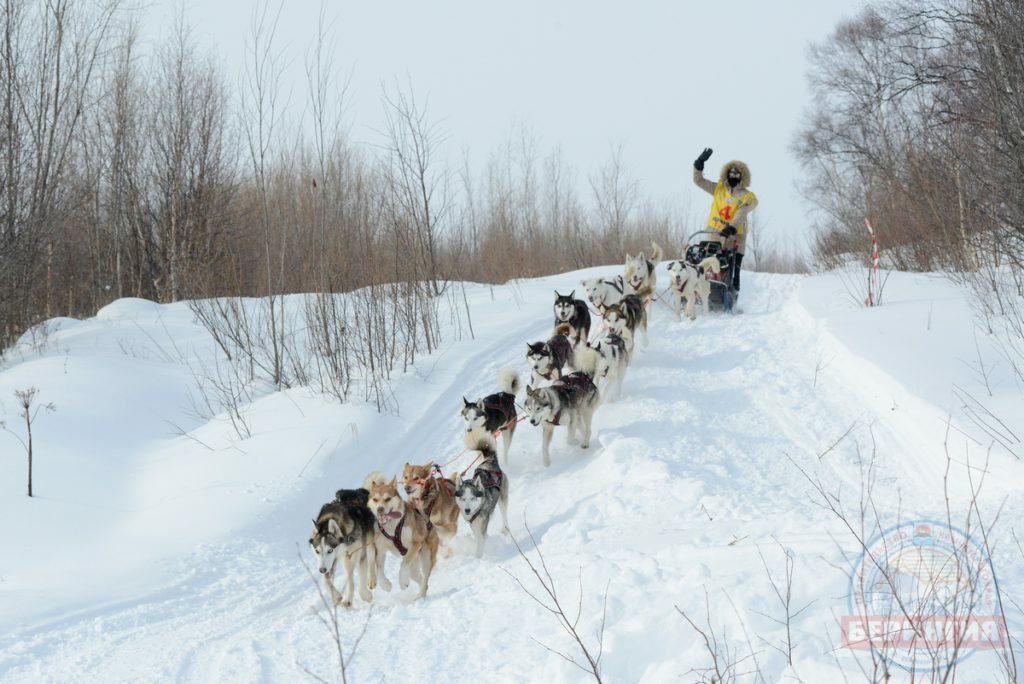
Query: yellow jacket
column 728, row 205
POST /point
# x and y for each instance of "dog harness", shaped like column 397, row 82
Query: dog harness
column 507, row 407
column 634, row 307
column 397, row 538
column 489, row 479
column 574, row 384
column 427, row 512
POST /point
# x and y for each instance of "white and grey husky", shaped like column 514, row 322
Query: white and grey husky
column 626, row 318
column 640, row 276
column 574, row 313
column 344, row 529
column 611, row 369
column 690, row 283
column 570, row 401
column 495, row 412
column 604, row 292
column 478, row 496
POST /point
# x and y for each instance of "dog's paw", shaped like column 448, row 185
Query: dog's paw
column 345, row 603
column 585, row 445
column 385, row 584
column 366, row 596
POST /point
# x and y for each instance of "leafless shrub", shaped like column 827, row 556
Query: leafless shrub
column 329, row 343
column 25, row 399
column 548, row 600
column 726, row 664
column 783, row 589
column 332, row 624
column 956, row 597
column 222, row 388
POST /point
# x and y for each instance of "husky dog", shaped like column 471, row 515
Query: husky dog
column 690, row 282
column 550, row 359
column 574, row 313
column 478, row 496
column 344, row 528
column 628, row 315
column 495, row 411
column 569, row 401
column 615, row 323
column 401, row 530
column 611, row 369
column 604, row 292
column 434, row 497
column 641, row 278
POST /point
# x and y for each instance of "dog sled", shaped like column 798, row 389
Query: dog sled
column 723, row 296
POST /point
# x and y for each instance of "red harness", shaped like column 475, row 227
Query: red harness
column 397, row 538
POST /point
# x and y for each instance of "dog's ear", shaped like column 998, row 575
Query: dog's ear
column 572, row 295
column 557, row 296
column 529, row 391
column 316, row 530
column 466, row 401
column 333, row 528
column 458, row 481
column 394, row 482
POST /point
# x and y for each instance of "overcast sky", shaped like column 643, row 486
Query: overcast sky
column 662, row 78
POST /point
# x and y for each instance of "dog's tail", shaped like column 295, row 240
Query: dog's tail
column 374, row 478
column 657, row 254
column 481, row 440
column 587, row 360
column 563, row 329
column 508, row 381
column 711, row 264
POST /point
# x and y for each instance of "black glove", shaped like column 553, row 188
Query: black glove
column 729, row 230
column 704, row 156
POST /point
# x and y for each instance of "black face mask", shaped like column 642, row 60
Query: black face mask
column 733, row 180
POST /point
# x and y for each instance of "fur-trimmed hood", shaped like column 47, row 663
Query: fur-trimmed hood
column 744, row 172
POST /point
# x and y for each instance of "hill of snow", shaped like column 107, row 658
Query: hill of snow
column 161, row 547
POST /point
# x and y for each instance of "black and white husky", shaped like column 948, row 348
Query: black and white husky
column 478, row 496
column 551, row 360
column 495, row 411
column 570, row 401
column 344, row 529
column 574, row 313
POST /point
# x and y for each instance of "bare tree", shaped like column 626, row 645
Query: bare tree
column 29, row 411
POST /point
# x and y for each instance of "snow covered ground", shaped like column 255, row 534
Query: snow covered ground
column 160, row 547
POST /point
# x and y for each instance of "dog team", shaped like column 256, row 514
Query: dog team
column 571, row 373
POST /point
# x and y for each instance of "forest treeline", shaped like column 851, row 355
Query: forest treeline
column 918, row 125
column 154, row 173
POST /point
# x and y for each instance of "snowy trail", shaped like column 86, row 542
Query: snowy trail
column 687, row 477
